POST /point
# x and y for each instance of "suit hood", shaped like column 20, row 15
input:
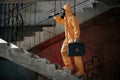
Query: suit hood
column 67, row 8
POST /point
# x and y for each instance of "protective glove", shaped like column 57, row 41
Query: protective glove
column 76, row 40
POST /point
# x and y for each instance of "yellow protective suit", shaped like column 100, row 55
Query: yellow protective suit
column 72, row 32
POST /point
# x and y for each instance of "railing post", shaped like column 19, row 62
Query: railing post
column 35, row 21
column 74, row 6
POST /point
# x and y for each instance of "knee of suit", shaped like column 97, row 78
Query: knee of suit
column 64, row 54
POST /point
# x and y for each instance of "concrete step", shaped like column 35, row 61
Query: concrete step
column 12, row 34
column 37, row 64
column 29, row 30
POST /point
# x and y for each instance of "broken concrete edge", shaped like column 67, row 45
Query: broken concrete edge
column 39, row 65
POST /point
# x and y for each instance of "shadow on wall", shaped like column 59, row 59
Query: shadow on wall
column 12, row 71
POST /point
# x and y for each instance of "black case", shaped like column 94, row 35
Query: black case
column 76, row 49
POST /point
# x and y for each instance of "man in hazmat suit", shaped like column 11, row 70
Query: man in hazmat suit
column 72, row 34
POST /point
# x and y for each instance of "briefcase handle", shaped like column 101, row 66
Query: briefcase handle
column 76, row 41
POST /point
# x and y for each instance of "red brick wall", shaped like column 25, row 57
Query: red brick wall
column 101, row 36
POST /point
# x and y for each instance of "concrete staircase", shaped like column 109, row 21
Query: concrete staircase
column 29, row 60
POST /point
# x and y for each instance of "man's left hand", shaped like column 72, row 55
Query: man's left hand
column 76, row 40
